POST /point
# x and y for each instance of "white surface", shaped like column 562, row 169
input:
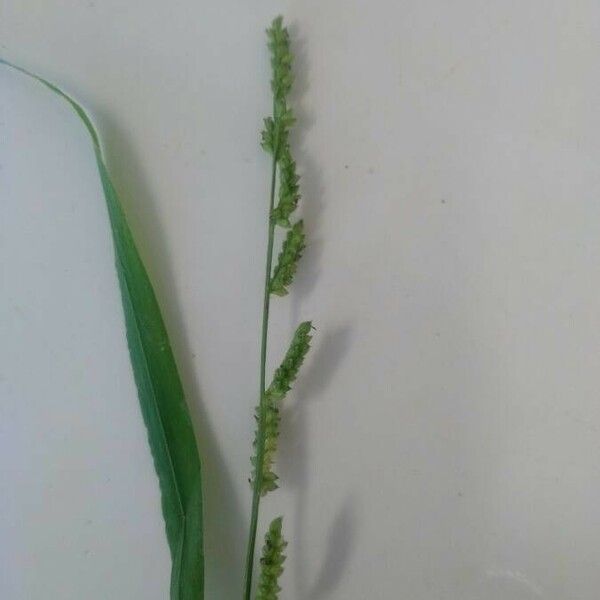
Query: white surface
column 443, row 440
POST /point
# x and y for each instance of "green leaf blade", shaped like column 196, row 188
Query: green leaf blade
column 160, row 392
column 170, row 432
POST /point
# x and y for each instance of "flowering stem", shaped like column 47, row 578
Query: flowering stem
column 260, row 448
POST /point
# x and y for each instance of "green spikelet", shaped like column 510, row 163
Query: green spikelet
column 271, row 562
column 267, row 139
column 283, row 378
column 288, row 260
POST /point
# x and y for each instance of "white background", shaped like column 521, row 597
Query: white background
column 443, row 441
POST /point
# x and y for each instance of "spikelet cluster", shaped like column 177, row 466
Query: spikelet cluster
column 289, row 189
column 275, row 136
column 271, row 436
column 271, row 562
column 289, row 256
column 287, row 372
column 283, row 378
column 277, row 126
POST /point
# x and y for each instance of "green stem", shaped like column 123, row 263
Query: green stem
column 260, row 450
